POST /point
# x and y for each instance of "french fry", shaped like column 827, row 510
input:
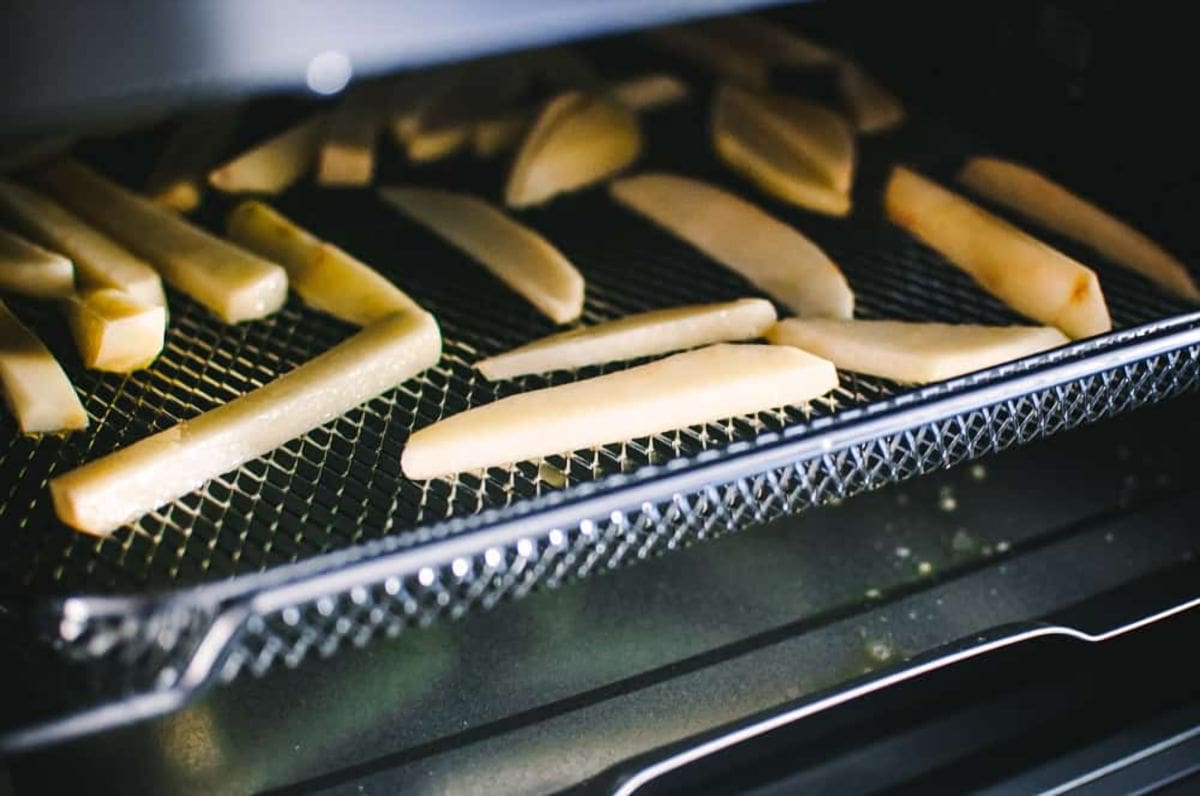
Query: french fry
column 1031, row 277
column 36, row 389
column 770, row 151
column 713, row 54
column 719, row 381
column 578, row 139
column 913, row 352
column 502, row 133
column 197, row 143
column 114, row 331
column 773, row 256
column 779, row 45
column 232, row 283
column 642, row 335
column 104, row 494
column 650, row 92
column 346, row 157
column 873, row 108
column 326, row 277
column 1053, row 207
column 517, row 255
column 274, row 165
column 429, row 146
column 30, row 270
column 99, row 261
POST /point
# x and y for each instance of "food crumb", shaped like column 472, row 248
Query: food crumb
column 962, row 542
column 978, row 472
column 903, row 552
column 946, row 500
column 879, row 650
column 874, row 594
column 1003, row 546
column 924, row 568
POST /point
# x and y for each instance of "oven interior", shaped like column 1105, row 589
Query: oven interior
column 1086, row 91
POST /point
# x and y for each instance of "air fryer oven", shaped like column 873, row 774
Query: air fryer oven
column 983, row 583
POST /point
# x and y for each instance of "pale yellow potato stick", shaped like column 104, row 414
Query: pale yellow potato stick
column 324, row 276
column 765, row 148
column 426, row 146
column 913, row 352
column 517, row 255
column 99, row 260
column 641, row 335
column 712, row 383
column 30, row 270
column 36, row 389
column 275, row 164
column 777, row 44
column 114, row 331
column 650, row 92
column 104, row 494
column 773, row 256
column 1031, row 277
column 346, row 157
column 1053, row 207
column 873, row 108
column 578, row 139
column 234, row 284
column 197, row 143
column 716, row 55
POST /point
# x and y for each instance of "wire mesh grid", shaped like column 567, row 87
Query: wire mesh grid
column 340, row 487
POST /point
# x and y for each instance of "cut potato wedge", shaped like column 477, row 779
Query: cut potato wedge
column 650, row 92
column 326, row 277
column 30, row 270
column 197, row 143
column 518, row 256
column 642, row 335
column 1031, row 277
column 432, row 145
column 114, row 331
column 37, row 392
column 913, row 352
column 103, row 495
column 686, row 389
column 807, row 130
column 774, row 257
column 234, row 284
column 804, row 168
column 713, row 54
column 780, row 46
column 490, row 137
column 578, row 139
column 275, row 164
column 1053, row 207
column 346, row 157
column 873, row 108
column 99, row 261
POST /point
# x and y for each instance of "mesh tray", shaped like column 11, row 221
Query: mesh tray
column 324, row 542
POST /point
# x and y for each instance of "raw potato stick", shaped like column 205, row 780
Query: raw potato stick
column 1031, row 277
column 347, row 155
column 713, row 54
column 196, row 144
column 275, row 164
column 232, row 283
column 326, row 277
column 650, row 92
column 578, row 139
column 30, row 270
column 772, row 255
column 104, row 494
column 114, row 331
column 517, row 255
column 1054, row 207
column 99, row 260
column 873, row 108
column 913, row 352
column 686, row 389
column 768, row 150
column 36, row 390
column 633, row 336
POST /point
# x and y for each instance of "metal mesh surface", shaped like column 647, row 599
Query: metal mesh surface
column 399, row 552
